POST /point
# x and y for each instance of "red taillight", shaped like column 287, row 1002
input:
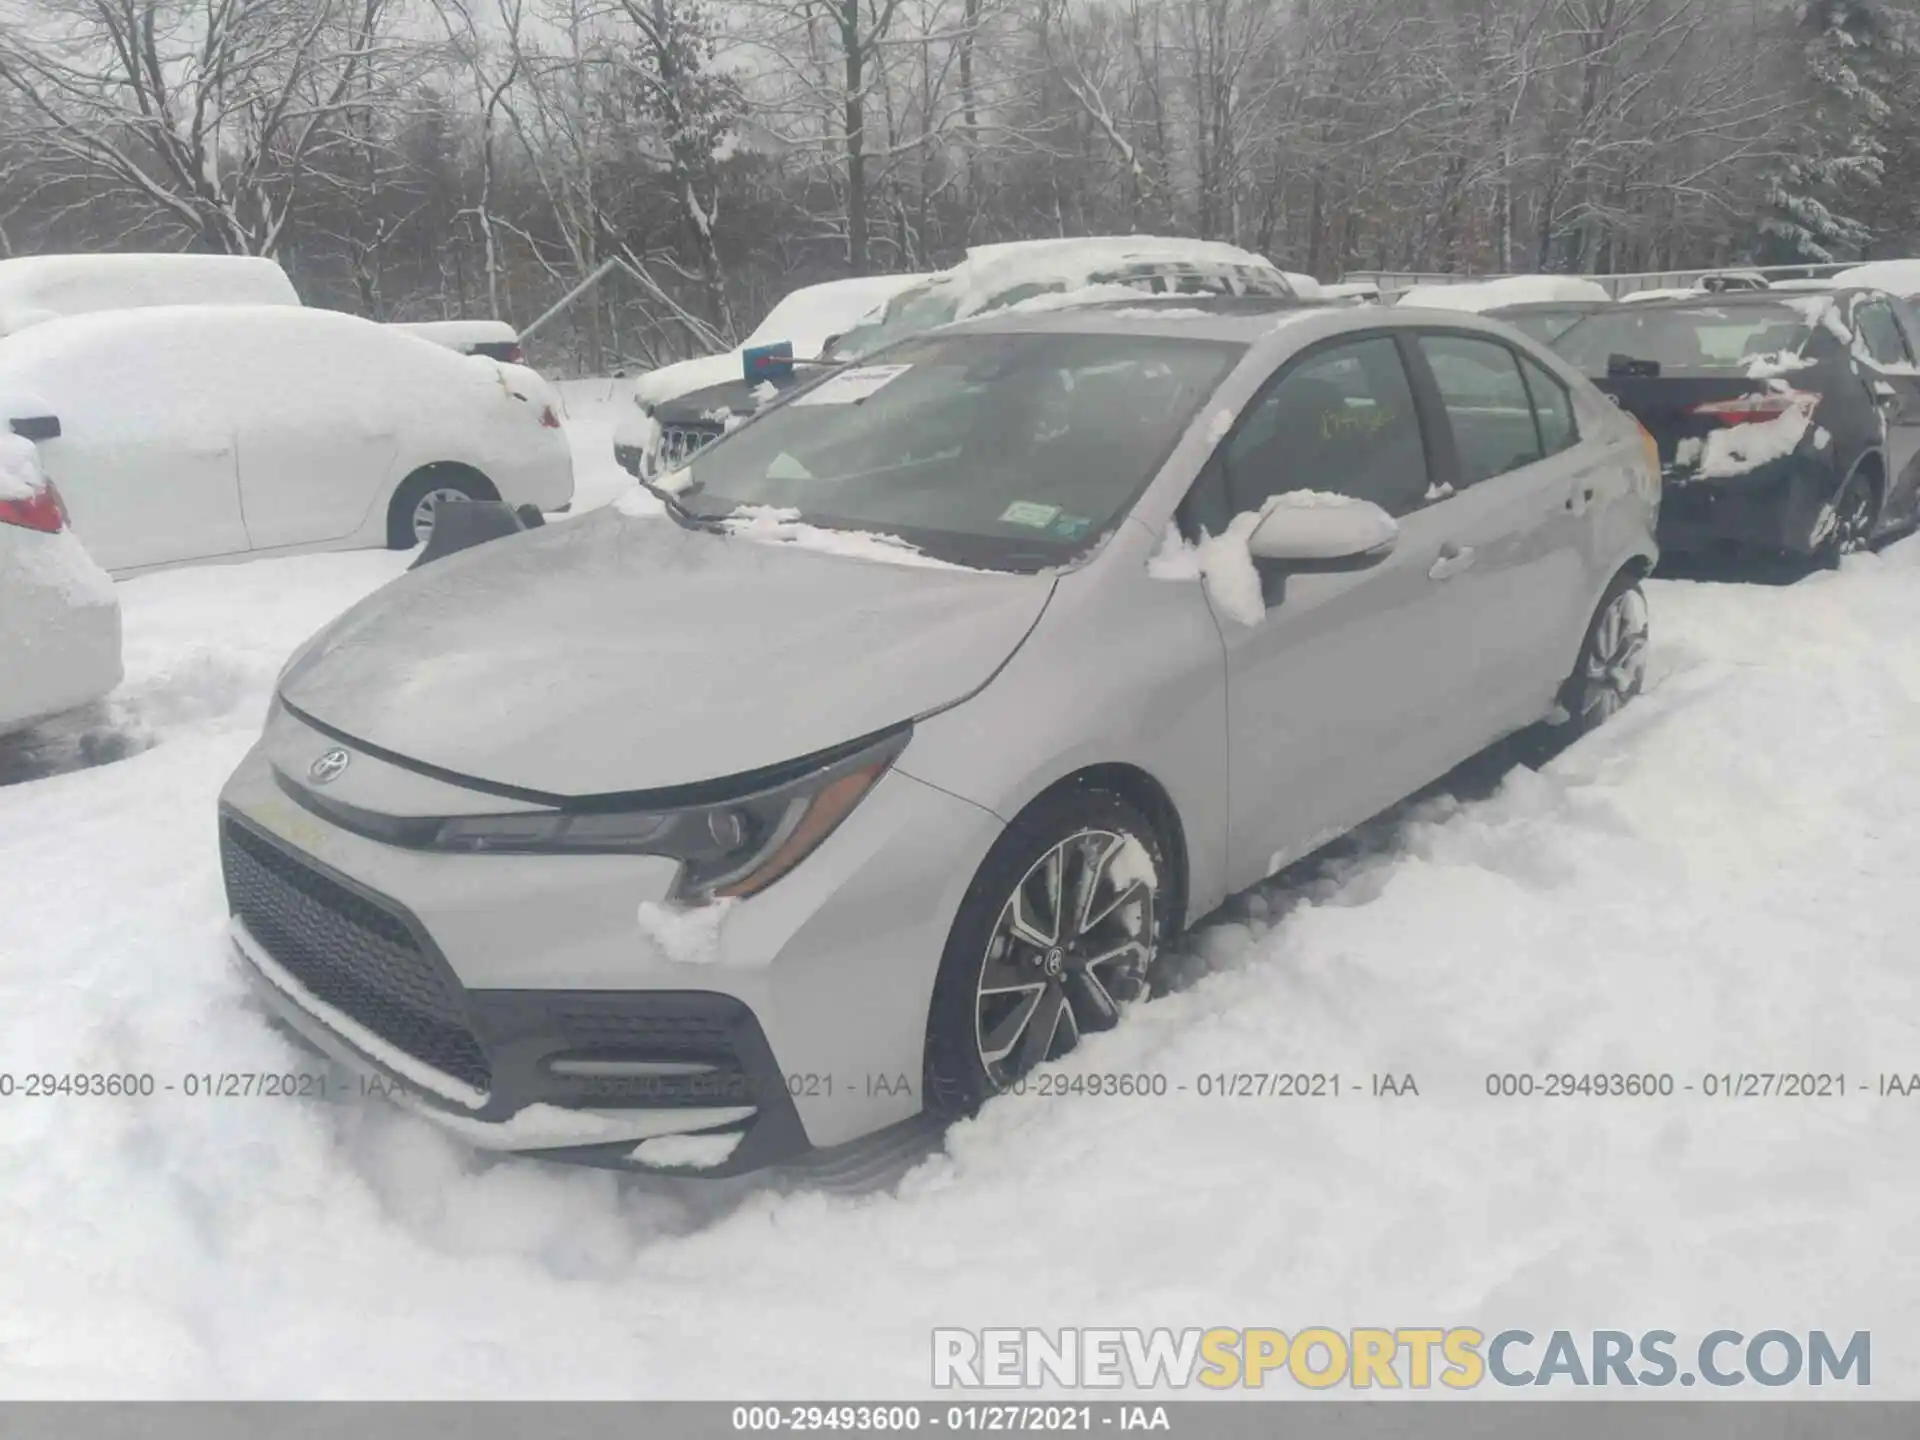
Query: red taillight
column 1749, row 409
column 548, row 418
column 42, row 510
column 514, row 355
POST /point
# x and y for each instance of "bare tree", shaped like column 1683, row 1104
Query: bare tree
column 208, row 115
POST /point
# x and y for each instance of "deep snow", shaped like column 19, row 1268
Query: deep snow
column 1719, row 880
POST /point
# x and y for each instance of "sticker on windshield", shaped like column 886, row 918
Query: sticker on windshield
column 1025, row 512
column 851, row 386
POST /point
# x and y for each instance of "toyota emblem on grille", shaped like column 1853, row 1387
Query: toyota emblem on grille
column 329, row 766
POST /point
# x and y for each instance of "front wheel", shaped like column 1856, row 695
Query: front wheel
column 1056, row 936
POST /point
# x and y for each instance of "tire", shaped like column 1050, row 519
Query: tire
column 432, row 484
column 1612, row 667
column 977, row 1043
column 1852, row 529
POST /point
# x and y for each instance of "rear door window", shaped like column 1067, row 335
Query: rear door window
column 1552, row 407
column 1487, row 404
column 1880, row 333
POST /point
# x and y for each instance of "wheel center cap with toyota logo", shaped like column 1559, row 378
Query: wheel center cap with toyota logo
column 329, row 767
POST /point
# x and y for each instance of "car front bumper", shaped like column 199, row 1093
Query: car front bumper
column 516, row 1000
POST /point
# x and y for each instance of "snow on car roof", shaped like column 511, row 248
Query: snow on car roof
column 1478, row 295
column 1635, row 297
column 808, row 317
column 35, row 288
column 1075, row 262
column 459, row 332
column 813, row 314
column 1901, row 277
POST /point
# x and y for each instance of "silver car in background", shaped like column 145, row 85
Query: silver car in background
column 884, row 767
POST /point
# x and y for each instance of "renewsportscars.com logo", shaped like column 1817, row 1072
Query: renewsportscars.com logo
column 1459, row 1358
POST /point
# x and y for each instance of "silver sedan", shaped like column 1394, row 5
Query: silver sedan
column 883, row 768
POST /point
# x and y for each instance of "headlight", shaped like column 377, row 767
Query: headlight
column 728, row 848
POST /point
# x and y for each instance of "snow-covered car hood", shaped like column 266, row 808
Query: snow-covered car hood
column 614, row 653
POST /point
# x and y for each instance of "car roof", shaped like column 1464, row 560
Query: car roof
column 1723, row 299
column 1307, row 320
column 1548, row 307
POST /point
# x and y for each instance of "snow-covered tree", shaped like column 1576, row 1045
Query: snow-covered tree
column 1816, row 195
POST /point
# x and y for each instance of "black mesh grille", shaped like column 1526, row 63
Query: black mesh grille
column 351, row 953
column 679, row 442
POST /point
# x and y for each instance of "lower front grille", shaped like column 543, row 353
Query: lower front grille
column 350, row 952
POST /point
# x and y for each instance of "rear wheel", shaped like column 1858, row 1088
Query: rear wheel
column 410, row 516
column 1613, row 659
column 1056, row 935
column 1852, row 522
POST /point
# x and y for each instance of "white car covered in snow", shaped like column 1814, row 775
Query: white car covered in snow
column 807, row 319
column 37, row 288
column 1036, row 274
column 59, row 616
column 190, row 433
column 494, row 339
column 1541, row 307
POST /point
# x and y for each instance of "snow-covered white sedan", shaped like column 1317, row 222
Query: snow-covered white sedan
column 59, row 617
column 193, row 433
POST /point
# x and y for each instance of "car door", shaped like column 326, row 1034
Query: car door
column 144, row 462
column 1519, row 518
column 1354, row 688
column 318, row 425
column 1895, row 383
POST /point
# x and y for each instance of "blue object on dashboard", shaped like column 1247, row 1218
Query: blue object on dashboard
column 768, row 362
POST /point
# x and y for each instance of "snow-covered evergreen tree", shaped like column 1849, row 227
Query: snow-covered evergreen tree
column 1816, row 196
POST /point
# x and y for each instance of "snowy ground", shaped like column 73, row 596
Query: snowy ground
column 1721, row 880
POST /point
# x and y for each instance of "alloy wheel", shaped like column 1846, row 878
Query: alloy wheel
column 1616, row 662
column 1852, row 520
column 1073, row 943
column 429, row 507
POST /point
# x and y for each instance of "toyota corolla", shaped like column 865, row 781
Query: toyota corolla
column 882, row 767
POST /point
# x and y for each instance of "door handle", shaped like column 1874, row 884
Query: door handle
column 1453, row 559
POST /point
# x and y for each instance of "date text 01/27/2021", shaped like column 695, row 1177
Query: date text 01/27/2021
column 1047, row 1084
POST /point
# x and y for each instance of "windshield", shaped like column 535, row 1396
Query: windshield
column 1687, row 339
column 1003, row 451
column 924, row 307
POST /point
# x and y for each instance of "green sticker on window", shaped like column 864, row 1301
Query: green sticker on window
column 1026, row 512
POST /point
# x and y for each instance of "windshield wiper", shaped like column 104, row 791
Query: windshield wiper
column 680, row 514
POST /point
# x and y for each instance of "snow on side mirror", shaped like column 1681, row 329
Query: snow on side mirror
column 1312, row 527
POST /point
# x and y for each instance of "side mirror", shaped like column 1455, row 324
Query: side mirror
column 1306, row 527
column 461, row 524
column 768, row 362
column 37, row 427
